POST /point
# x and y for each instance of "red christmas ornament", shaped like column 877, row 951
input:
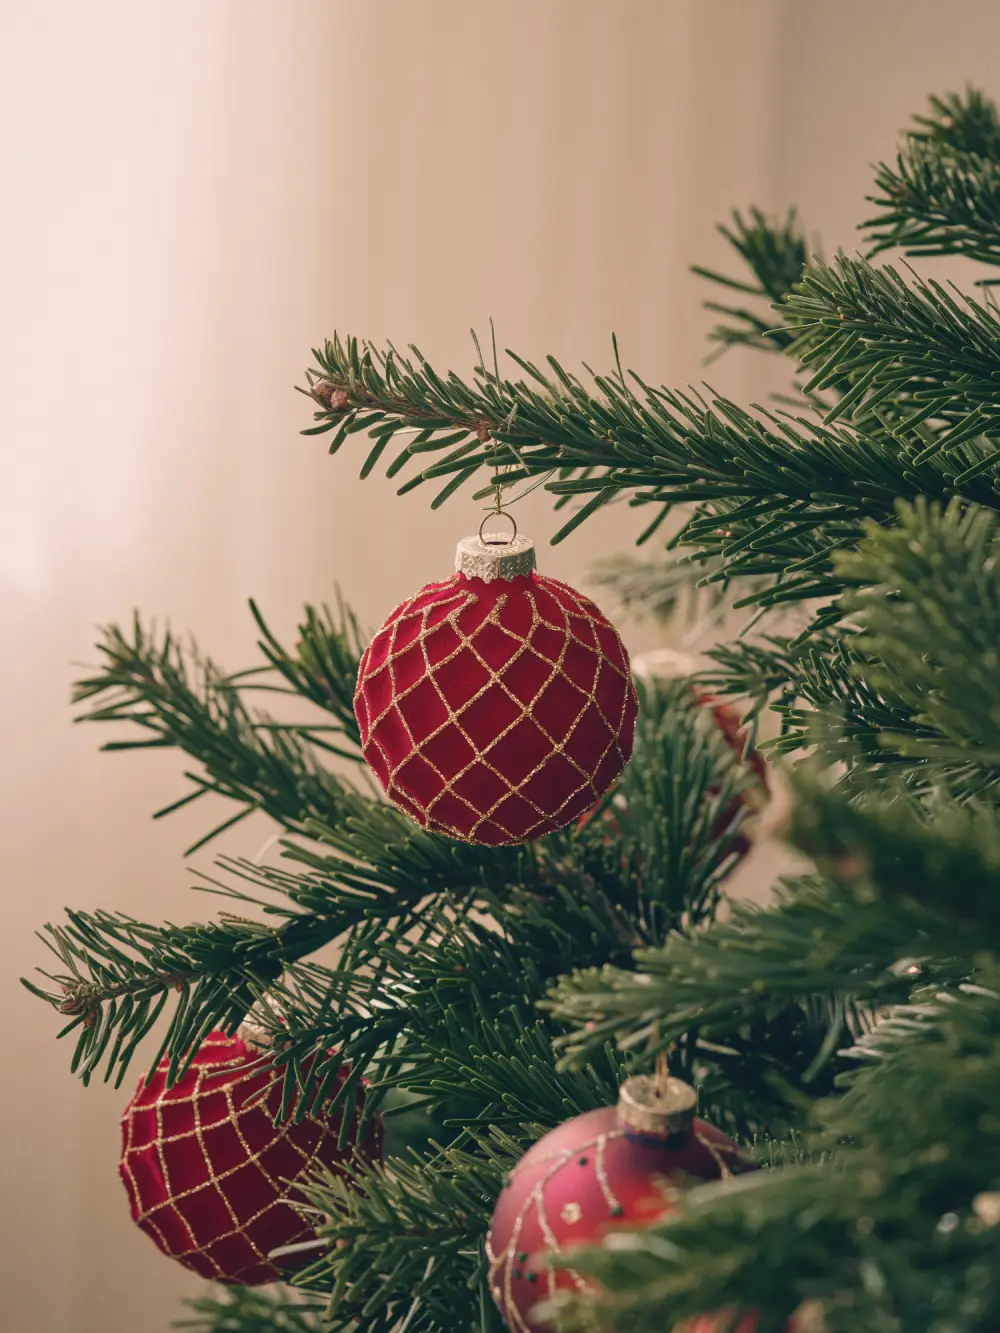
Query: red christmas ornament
column 209, row 1175
column 623, row 1165
column 496, row 706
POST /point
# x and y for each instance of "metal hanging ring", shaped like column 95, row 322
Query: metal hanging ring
column 494, row 539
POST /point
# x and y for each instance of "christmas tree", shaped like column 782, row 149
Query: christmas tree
column 847, row 1034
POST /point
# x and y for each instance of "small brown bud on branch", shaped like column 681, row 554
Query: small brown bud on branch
column 329, row 396
column 72, row 1003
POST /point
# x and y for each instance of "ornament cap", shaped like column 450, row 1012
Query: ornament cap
column 650, row 1104
column 254, row 1031
column 497, row 558
column 664, row 664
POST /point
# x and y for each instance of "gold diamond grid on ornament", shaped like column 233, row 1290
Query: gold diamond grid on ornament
column 399, row 698
column 504, row 1266
column 213, row 1180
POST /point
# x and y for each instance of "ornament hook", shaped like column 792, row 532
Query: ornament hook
column 661, row 1075
column 495, row 538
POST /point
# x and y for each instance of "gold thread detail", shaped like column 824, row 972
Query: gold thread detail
column 577, row 625
column 204, row 1075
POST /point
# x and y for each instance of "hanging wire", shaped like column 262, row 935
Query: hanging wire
column 661, row 1075
column 497, row 511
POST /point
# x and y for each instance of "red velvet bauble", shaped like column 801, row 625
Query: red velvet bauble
column 495, row 710
column 581, row 1180
column 209, row 1175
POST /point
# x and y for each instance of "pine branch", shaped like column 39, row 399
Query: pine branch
column 902, row 896
column 119, row 975
column 821, row 686
column 405, row 1246
column 181, row 700
column 760, row 1081
column 503, row 1074
column 634, row 437
column 332, row 1028
column 928, row 600
column 963, row 122
column 943, row 195
column 907, row 687
column 912, row 352
column 432, row 1016
column 249, row 1310
column 775, row 497
column 936, row 864
column 379, row 853
column 748, row 969
column 324, row 666
column 775, row 253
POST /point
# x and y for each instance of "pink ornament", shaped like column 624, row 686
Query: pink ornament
column 623, row 1165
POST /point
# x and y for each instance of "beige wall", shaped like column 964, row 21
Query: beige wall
column 194, row 194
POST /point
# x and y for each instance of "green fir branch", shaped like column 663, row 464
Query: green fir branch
column 819, row 686
column 250, row 1310
column 910, row 351
column 775, row 252
column 323, row 667
column 749, row 969
column 774, row 496
column 405, row 1245
column 942, row 196
column 902, row 897
column 908, row 686
column 178, row 699
column 928, row 602
column 118, row 977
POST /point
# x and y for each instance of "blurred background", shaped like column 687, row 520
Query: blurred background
column 197, row 193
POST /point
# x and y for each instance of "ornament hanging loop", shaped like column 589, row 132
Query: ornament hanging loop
column 497, row 538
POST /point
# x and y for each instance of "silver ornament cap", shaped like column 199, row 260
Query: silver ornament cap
column 495, row 557
column 653, row 1104
column 255, row 1031
column 664, row 664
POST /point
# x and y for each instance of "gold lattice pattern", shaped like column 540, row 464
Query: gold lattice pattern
column 496, row 712
column 209, row 1176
